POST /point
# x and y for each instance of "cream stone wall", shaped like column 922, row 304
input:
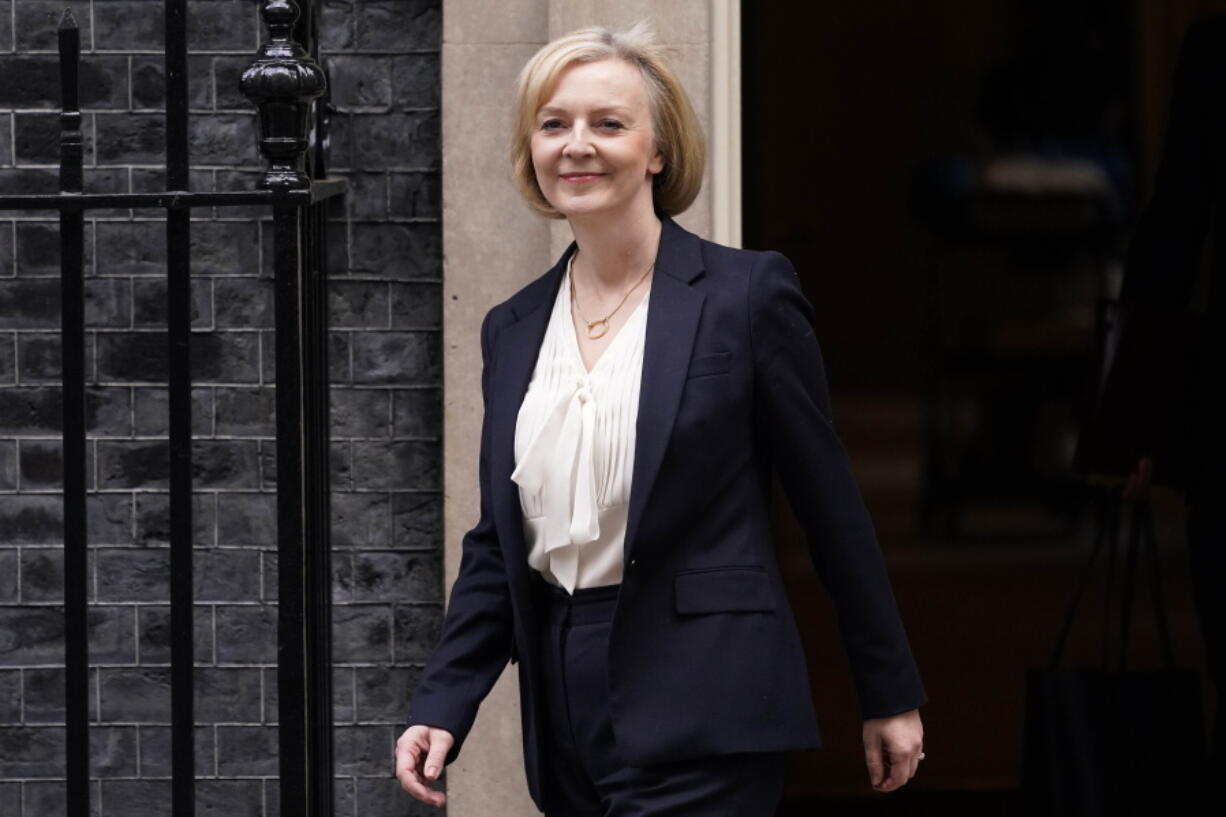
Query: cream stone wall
column 493, row 244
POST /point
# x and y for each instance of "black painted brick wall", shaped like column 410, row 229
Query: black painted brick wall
column 385, row 251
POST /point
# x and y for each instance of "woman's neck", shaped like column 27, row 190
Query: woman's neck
column 615, row 252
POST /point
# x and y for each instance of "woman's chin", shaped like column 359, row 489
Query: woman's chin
column 578, row 208
column 592, row 206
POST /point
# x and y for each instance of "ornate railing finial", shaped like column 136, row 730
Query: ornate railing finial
column 282, row 82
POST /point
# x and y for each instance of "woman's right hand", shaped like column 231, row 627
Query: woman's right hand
column 420, row 753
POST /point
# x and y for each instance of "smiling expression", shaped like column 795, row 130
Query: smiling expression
column 593, row 145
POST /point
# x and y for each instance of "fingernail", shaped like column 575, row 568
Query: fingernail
column 431, row 771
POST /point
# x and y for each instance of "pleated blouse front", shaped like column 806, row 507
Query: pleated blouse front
column 574, row 449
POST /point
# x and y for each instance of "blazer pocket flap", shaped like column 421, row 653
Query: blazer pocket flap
column 722, row 590
column 713, row 363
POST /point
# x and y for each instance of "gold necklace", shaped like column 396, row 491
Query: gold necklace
column 603, row 323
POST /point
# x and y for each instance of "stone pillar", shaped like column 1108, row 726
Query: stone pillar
column 493, row 244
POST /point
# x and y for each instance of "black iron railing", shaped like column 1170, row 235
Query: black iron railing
column 287, row 85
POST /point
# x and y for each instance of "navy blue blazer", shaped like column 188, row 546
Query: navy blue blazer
column 704, row 654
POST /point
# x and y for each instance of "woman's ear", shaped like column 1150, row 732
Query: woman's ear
column 656, row 165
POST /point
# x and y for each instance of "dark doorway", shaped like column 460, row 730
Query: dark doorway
column 954, row 183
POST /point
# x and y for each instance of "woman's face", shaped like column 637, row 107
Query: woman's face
column 593, row 145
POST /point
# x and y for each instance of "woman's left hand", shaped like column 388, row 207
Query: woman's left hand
column 892, row 747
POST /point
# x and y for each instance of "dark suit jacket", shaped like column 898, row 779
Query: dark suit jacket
column 704, row 653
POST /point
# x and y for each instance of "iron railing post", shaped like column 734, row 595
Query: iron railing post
column 284, row 81
column 72, row 391
column 179, row 333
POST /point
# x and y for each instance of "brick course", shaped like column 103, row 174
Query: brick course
column 385, row 256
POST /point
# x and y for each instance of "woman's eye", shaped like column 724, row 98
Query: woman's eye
column 556, row 124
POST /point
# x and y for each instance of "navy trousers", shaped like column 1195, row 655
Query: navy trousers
column 584, row 776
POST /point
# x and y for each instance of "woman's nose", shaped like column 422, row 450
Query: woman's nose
column 579, row 143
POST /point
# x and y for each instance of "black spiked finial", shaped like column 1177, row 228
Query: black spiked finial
column 67, row 20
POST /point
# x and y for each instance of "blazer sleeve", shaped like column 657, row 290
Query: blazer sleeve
column 791, row 398
column 475, row 642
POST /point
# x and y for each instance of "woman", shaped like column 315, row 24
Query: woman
column 637, row 397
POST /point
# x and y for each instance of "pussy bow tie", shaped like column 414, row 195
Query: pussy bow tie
column 559, row 459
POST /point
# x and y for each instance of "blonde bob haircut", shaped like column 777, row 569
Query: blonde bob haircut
column 678, row 134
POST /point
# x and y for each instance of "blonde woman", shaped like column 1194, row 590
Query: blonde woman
column 638, row 397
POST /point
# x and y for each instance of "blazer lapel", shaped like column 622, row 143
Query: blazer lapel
column 672, row 321
column 518, row 345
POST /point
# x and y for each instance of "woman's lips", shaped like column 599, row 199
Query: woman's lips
column 582, row 178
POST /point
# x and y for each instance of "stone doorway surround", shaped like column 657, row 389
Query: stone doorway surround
column 493, row 244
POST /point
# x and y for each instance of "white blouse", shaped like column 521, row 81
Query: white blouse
column 574, row 449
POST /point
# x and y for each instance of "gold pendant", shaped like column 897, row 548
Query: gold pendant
column 604, row 327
